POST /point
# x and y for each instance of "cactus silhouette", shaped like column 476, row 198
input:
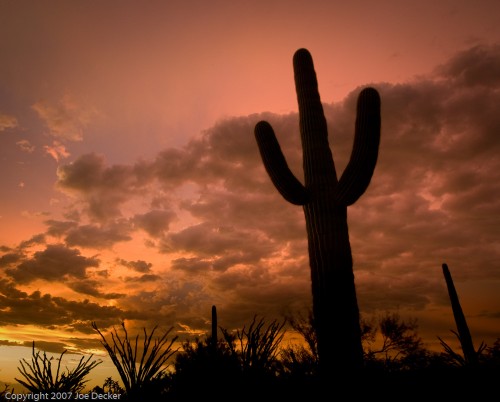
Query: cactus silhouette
column 325, row 199
column 463, row 334
column 213, row 338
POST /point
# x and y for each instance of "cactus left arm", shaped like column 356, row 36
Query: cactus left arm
column 282, row 177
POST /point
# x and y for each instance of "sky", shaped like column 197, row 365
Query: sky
column 133, row 188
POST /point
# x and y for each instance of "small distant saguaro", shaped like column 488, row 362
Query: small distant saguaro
column 214, row 327
column 325, row 199
column 464, row 335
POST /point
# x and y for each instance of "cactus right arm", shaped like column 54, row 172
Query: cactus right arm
column 282, row 177
column 358, row 173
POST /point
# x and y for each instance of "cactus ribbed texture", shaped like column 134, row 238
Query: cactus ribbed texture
column 324, row 199
column 464, row 335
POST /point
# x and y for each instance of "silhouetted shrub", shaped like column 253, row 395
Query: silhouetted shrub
column 401, row 348
column 143, row 374
column 5, row 391
column 111, row 386
column 199, row 367
column 39, row 377
column 243, row 362
column 300, row 362
column 257, row 346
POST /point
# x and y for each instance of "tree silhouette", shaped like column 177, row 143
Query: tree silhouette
column 401, row 348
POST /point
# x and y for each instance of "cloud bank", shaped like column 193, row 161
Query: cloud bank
column 213, row 230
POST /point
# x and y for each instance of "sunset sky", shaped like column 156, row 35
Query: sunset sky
column 132, row 187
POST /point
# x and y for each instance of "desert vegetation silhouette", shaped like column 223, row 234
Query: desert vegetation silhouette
column 38, row 374
column 254, row 363
column 325, row 199
column 141, row 367
column 471, row 356
column 245, row 360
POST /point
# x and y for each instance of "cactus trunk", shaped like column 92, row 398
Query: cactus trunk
column 464, row 335
column 325, row 199
column 335, row 307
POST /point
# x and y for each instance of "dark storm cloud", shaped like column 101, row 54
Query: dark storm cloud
column 155, row 222
column 10, row 258
column 36, row 239
column 20, row 308
column 224, row 155
column 91, row 287
column 84, row 343
column 103, row 188
column 259, row 211
column 138, row 266
column 54, row 263
column 436, row 188
column 205, row 239
column 434, row 198
column 477, row 66
column 9, row 343
column 46, row 346
column 193, row 265
column 178, row 303
column 144, row 278
column 59, row 228
column 97, row 236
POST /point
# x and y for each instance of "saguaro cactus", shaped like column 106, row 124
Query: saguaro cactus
column 213, row 338
column 325, row 199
